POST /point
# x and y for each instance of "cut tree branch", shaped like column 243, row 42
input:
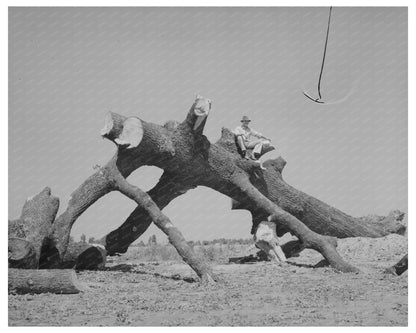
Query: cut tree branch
column 167, row 189
column 201, row 268
column 324, row 244
column 198, row 114
column 85, row 256
column 93, row 188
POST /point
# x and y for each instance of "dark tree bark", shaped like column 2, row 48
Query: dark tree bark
column 189, row 160
column 292, row 248
column 83, row 197
column 26, row 281
column 34, row 226
column 85, row 256
column 316, row 214
column 399, row 268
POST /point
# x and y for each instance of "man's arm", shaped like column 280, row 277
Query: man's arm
column 259, row 135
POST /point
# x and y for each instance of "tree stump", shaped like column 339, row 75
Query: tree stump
column 34, row 225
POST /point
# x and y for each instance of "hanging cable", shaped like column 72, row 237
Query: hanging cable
column 318, row 100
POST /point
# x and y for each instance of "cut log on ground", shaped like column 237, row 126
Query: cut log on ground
column 399, row 268
column 190, row 160
column 35, row 225
column 85, row 256
column 56, row 281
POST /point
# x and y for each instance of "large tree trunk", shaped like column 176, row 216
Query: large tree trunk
column 34, row 226
column 316, row 214
column 56, row 281
column 189, row 160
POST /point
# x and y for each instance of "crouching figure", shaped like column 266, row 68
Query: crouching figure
column 265, row 238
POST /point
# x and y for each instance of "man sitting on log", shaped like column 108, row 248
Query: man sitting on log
column 248, row 138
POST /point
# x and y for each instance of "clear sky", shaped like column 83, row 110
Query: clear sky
column 69, row 66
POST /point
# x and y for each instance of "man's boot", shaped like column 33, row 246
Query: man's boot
column 245, row 155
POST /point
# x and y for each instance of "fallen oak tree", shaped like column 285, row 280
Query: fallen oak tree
column 317, row 215
column 190, row 160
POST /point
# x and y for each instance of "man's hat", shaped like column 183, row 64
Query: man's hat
column 245, row 118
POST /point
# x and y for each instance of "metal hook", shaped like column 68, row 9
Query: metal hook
column 318, row 100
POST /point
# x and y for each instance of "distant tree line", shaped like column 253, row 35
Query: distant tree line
column 222, row 241
column 153, row 241
column 83, row 239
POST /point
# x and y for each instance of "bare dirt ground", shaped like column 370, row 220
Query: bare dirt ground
column 262, row 294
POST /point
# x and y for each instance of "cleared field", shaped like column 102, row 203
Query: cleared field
column 144, row 290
